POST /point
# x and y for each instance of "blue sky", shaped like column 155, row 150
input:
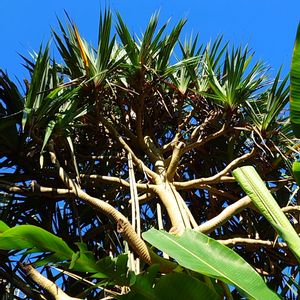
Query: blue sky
column 268, row 26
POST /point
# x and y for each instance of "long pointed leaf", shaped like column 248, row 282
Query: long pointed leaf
column 29, row 236
column 198, row 252
column 295, row 86
column 255, row 188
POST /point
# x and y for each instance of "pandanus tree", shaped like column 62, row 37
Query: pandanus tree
column 104, row 143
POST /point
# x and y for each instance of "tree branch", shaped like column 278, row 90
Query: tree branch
column 140, row 165
column 123, row 225
column 290, row 209
column 49, row 191
column 252, row 242
column 116, row 181
column 47, row 285
column 166, row 195
column 175, row 158
column 224, row 216
column 144, row 198
column 233, row 209
column 35, row 189
column 21, row 285
column 203, row 141
column 196, row 183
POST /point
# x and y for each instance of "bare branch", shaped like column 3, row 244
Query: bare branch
column 165, row 192
column 21, row 285
column 123, row 225
column 201, row 182
column 35, row 189
column 197, row 183
column 49, row 191
column 116, row 181
column 290, row 209
column 233, row 209
column 175, row 158
column 144, row 198
column 140, row 165
column 208, row 120
column 204, row 140
column 252, row 243
column 48, row 286
column 224, row 216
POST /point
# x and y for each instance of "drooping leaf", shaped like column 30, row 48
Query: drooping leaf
column 29, row 236
column 198, row 252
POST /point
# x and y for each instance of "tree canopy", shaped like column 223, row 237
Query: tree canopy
column 102, row 143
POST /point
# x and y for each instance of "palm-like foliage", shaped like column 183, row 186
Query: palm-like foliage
column 235, row 83
column 183, row 123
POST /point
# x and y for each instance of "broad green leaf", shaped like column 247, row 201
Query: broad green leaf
column 182, row 286
column 295, row 87
column 171, row 286
column 29, row 236
column 198, row 252
column 114, row 269
column 296, row 171
column 3, row 227
column 83, row 261
column 143, row 284
column 256, row 189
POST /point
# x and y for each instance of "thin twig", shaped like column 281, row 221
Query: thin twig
column 204, row 140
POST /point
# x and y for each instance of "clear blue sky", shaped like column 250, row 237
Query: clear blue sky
column 268, row 26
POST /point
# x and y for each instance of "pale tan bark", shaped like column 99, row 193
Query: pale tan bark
column 47, row 285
